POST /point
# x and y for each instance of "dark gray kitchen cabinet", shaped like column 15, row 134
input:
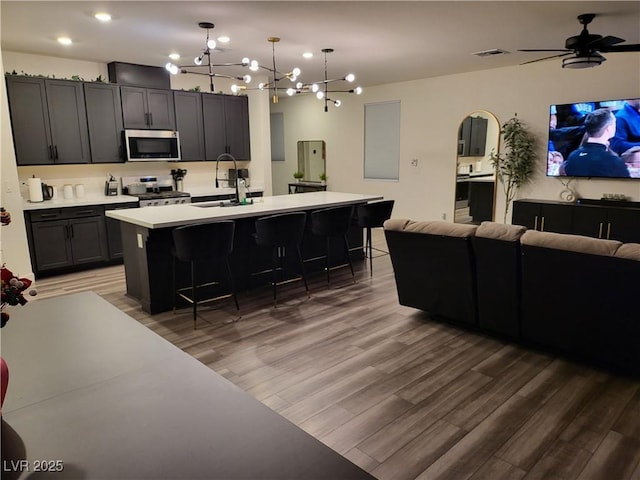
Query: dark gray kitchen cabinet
column 472, row 137
column 104, row 120
column 48, row 119
column 147, row 108
column 66, row 237
column 114, row 236
column 190, row 125
column 226, row 126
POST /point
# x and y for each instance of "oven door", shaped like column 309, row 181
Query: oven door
column 152, row 145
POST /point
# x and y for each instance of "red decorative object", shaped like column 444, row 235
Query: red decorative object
column 12, row 288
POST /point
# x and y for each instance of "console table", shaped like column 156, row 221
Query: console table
column 98, row 395
column 610, row 219
column 303, row 187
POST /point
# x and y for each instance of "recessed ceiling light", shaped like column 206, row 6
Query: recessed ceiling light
column 64, row 40
column 307, row 55
column 174, row 56
column 103, row 17
column 224, row 39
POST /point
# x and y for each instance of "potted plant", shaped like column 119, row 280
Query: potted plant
column 298, row 176
column 323, row 178
column 514, row 167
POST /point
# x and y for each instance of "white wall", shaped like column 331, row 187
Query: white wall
column 431, row 111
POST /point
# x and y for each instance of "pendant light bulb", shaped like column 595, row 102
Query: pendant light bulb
column 291, row 91
column 245, row 62
column 254, row 66
column 261, row 86
column 299, row 86
column 357, row 90
column 350, row 77
column 337, row 103
column 211, row 44
column 296, row 72
column 234, row 88
column 246, row 78
column 315, row 87
column 197, row 60
column 320, row 95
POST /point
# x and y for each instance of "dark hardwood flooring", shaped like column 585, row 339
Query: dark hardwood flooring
column 400, row 395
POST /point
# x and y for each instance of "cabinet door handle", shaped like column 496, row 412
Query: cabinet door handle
column 608, row 230
column 71, row 229
column 535, row 223
column 55, row 150
column 51, row 152
column 150, row 119
column 85, row 212
column 600, row 231
column 542, row 225
column 66, row 231
column 48, row 215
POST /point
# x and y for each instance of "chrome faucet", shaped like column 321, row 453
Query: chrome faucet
column 228, row 156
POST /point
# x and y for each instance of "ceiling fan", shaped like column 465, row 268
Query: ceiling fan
column 583, row 51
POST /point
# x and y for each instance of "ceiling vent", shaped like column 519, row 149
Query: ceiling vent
column 491, row 52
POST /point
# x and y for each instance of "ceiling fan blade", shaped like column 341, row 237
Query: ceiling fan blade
column 604, row 42
column 621, row 48
column 544, row 50
column 548, row 58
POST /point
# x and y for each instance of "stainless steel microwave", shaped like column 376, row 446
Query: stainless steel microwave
column 152, row 145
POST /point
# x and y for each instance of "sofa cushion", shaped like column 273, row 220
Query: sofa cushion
column 431, row 227
column 500, row 231
column 395, row 224
column 629, row 251
column 572, row 243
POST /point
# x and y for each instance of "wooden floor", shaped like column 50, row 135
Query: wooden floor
column 400, row 395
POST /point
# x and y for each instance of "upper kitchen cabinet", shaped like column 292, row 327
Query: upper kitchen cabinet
column 148, row 108
column 48, row 118
column 104, row 119
column 226, row 126
column 189, row 124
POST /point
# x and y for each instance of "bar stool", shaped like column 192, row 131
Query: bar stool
column 331, row 223
column 373, row 215
column 281, row 233
column 202, row 246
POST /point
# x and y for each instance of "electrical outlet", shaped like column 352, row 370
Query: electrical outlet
column 444, row 216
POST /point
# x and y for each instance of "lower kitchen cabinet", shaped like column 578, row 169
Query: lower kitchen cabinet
column 65, row 239
column 114, row 240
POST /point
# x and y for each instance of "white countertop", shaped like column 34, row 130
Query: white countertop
column 100, row 199
column 188, row 213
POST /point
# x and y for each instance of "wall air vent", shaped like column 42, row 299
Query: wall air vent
column 491, row 52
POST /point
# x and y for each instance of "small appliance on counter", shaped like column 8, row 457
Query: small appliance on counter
column 242, row 173
column 111, row 186
column 178, row 175
column 153, row 190
column 38, row 191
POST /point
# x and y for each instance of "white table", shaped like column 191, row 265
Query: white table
column 94, row 392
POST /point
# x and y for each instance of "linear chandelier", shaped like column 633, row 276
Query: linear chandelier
column 210, row 44
column 322, row 88
column 276, row 75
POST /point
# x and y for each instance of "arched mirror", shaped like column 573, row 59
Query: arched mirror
column 478, row 135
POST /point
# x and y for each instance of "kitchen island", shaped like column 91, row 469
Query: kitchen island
column 147, row 239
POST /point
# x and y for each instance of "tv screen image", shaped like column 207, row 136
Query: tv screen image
column 598, row 139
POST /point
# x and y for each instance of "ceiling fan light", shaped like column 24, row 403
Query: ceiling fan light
column 583, row 61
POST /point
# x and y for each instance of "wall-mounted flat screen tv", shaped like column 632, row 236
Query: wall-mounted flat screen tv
column 599, row 139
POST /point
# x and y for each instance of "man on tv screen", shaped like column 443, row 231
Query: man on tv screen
column 593, row 158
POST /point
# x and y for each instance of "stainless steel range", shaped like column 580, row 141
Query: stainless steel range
column 154, row 190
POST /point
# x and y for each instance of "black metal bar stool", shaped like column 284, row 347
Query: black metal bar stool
column 203, row 246
column 373, row 215
column 331, row 223
column 282, row 233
